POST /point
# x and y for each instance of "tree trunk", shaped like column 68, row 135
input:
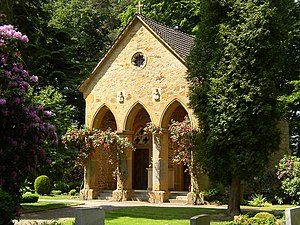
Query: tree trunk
column 235, row 197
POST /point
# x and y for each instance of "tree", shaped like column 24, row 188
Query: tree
column 61, row 162
column 180, row 14
column 233, row 72
column 23, row 127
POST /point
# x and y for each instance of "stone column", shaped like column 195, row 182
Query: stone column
column 159, row 191
column 87, row 193
column 124, row 191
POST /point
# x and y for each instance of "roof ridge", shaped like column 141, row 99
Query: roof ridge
column 165, row 25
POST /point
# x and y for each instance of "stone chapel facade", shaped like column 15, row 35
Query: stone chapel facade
column 140, row 79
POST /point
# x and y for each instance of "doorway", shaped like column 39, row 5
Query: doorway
column 140, row 173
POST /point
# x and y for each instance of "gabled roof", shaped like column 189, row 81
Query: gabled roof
column 178, row 42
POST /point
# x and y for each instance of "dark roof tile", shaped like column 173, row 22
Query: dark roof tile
column 180, row 42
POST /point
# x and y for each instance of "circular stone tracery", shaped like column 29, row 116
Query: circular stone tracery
column 138, row 60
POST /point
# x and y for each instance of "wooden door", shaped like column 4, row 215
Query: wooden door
column 140, row 173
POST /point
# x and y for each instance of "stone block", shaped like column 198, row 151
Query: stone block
column 292, row 216
column 200, row 220
column 122, row 195
column 158, row 196
column 89, row 216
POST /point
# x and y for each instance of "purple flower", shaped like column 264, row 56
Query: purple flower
column 34, row 78
column 2, row 101
column 17, row 35
column 47, row 113
column 24, row 38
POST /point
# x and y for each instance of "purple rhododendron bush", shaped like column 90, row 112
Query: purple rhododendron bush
column 23, row 127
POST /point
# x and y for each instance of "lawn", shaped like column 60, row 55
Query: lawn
column 161, row 215
column 45, row 205
column 149, row 215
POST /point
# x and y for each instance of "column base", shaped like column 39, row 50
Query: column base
column 122, row 195
column 158, row 196
column 87, row 194
column 195, row 199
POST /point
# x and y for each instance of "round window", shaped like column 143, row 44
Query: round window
column 138, row 60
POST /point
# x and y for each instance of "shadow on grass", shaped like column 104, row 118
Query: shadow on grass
column 164, row 213
column 41, row 206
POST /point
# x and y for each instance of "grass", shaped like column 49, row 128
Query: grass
column 149, row 215
column 160, row 215
column 58, row 197
column 45, row 205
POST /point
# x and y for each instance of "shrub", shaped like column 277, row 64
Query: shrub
column 72, row 192
column 6, row 208
column 259, row 201
column 288, row 172
column 262, row 218
column 62, row 186
column 42, row 185
column 56, row 192
column 29, row 198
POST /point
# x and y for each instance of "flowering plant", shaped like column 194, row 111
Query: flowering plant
column 183, row 134
column 151, row 128
column 23, row 128
column 88, row 141
column 288, row 172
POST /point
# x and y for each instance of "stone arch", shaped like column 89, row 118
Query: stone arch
column 131, row 116
column 100, row 169
column 104, row 119
column 136, row 120
column 175, row 110
column 181, row 179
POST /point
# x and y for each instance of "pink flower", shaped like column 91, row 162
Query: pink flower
column 24, row 38
column 34, row 78
column 47, row 113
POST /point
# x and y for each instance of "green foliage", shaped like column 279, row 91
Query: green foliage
column 56, row 192
column 288, row 172
column 6, row 208
column 259, row 200
column 233, row 72
column 182, row 14
column 262, row 218
column 42, row 185
column 29, row 198
column 72, row 192
column 62, row 186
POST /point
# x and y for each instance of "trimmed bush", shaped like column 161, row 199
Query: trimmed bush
column 29, row 198
column 72, row 192
column 6, row 208
column 42, row 185
column 56, row 192
column 62, row 186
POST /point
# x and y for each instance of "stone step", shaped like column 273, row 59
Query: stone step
column 105, row 195
column 140, row 196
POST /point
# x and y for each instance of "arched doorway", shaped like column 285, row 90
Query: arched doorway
column 179, row 178
column 103, row 170
column 136, row 121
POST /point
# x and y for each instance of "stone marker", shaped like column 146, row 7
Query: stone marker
column 89, row 216
column 292, row 216
column 200, row 220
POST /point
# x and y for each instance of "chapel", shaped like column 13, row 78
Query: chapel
column 140, row 79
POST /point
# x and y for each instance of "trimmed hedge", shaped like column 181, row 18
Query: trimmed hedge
column 29, row 198
column 42, row 185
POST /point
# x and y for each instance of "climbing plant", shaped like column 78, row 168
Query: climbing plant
column 183, row 134
column 89, row 141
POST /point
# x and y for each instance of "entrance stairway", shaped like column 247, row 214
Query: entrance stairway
column 105, row 195
column 178, row 197
column 140, row 195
